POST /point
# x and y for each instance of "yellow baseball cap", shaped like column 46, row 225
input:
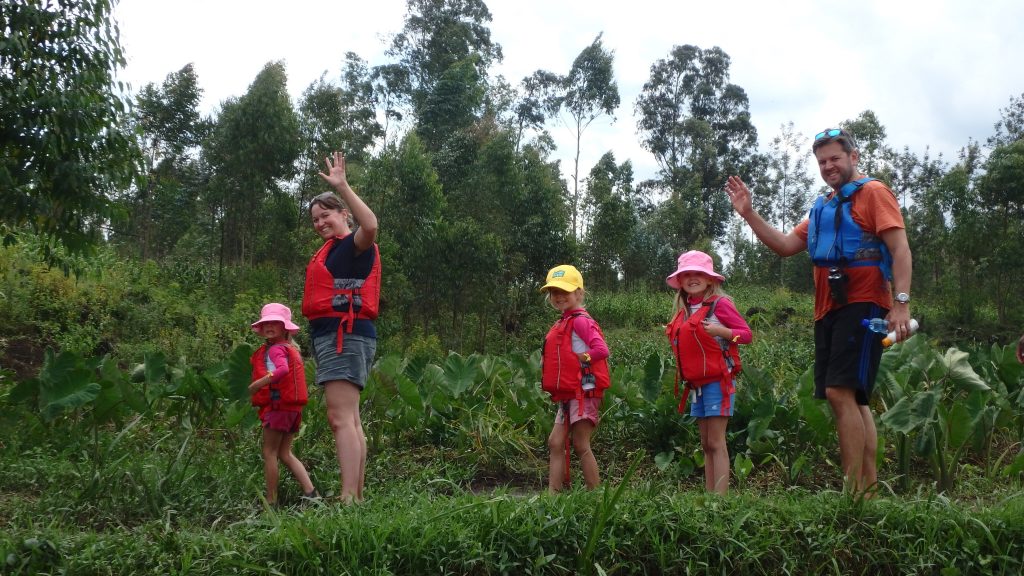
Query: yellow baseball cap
column 565, row 277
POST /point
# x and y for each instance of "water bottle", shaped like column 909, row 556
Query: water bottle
column 876, row 325
column 880, row 326
column 589, row 381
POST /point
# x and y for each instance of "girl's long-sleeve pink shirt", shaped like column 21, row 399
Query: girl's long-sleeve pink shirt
column 590, row 340
column 277, row 363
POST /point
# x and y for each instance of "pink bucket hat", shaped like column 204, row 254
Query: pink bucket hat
column 694, row 261
column 275, row 312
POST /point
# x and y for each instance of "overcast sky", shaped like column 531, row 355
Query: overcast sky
column 935, row 72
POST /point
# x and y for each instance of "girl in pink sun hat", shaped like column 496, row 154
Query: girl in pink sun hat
column 279, row 390
column 704, row 334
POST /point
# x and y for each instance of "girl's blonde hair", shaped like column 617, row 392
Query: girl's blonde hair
column 291, row 341
column 679, row 302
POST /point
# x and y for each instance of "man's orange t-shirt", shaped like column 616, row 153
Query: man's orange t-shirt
column 875, row 210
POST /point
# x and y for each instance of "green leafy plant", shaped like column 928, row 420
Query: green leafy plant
column 939, row 398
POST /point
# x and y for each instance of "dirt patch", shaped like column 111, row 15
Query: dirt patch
column 22, row 354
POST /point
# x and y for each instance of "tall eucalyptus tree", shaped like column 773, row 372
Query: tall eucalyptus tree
column 171, row 129
column 697, row 125
column 252, row 153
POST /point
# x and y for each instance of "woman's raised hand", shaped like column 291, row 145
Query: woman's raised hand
column 335, row 175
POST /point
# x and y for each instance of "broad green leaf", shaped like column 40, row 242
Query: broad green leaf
column 239, row 413
column 917, row 353
column 1009, row 371
column 757, row 429
column 1016, row 467
column 518, row 415
column 155, row 366
column 460, row 373
column 66, row 383
column 960, row 371
column 653, row 370
column 813, row 411
column 743, row 466
column 73, row 399
column 924, row 405
column 409, row 393
column 687, row 465
column 960, row 424
column 440, row 404
column 433, row 380
column 925, row 444
column 110, row 400
column 238, row 374
column 24, row 391
column 899, row 417
column 758, row 390
column 389, row 366
column 662, row 460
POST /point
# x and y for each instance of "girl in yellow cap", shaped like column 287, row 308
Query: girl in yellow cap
column 575, row 373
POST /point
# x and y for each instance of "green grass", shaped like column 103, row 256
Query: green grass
column 654, row 528
column 174, row 502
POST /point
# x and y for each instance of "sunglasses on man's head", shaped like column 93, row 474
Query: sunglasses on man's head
column 830, row 133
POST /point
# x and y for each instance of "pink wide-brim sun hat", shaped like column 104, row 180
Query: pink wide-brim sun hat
column 693, row 261
column 275, row 312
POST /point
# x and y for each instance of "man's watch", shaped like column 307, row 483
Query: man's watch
column 902, row 298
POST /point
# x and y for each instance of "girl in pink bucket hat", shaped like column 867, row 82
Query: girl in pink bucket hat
column 279, row 390
column 704, row 334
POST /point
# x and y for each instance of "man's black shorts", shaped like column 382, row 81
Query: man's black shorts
column 846, row 353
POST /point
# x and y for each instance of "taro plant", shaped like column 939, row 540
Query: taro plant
column 938, row 399
column 488, row 406
column 784, row 424
column 999, row 367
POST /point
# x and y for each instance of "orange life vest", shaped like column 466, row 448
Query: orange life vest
column 700, row 357
column 290, row 393
column 346, row 298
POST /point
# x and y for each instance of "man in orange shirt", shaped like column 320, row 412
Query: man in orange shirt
column 858, row 243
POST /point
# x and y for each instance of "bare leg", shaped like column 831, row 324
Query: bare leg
column 343, row 416
column 271, row 444
column 556, row 457
column 581, row 433
column 852, row 435
column 716, row 453
column 869, row 467
column 284, row 453
column 361, row 437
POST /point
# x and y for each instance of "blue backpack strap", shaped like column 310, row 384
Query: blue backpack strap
column 852, row 186
column 845, row 192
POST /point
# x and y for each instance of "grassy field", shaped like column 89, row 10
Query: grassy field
column 127, row 446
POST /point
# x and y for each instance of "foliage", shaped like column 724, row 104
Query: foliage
column 170, row 130
column 63, row 142
column 587, row 92
column 440, row 39
column 253, row 147
column 697, row 125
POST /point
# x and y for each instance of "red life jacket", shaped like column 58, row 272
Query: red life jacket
column 290, row 393
column 561, row 370
column 346, row 298
column 562, row 373
column 700, row 357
